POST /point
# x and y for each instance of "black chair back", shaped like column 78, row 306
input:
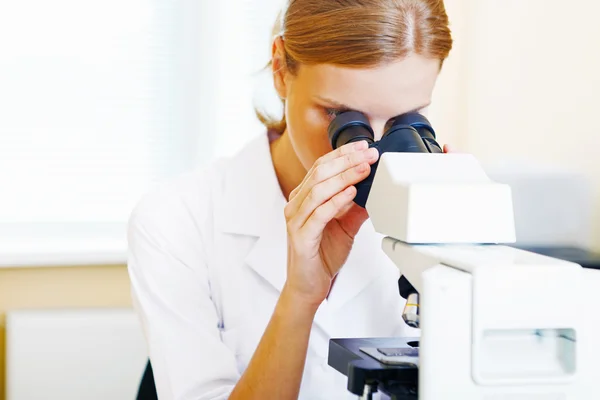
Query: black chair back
column 147, row 390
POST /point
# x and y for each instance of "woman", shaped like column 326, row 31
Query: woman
column 242, row 273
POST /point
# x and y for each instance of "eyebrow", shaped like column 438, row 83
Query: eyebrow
column 342, row 106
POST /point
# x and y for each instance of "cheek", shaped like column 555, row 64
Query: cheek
column 307, row 127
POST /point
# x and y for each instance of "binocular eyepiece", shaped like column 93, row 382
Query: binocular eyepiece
column 407, row 133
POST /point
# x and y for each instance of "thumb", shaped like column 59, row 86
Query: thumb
column 451, row 149
column 353, row 220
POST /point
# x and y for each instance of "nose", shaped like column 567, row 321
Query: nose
column 378, row 128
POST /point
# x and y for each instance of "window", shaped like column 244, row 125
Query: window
column 101, row 99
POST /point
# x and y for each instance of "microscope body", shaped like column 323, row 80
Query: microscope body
column 501, row 323
column 496, row 322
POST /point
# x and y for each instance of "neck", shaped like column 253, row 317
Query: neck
column 288, row 168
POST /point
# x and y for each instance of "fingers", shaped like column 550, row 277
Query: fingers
column 324, row 213
column 334, row 167
column 324, row 171
column 344, row 210
column 337, row 153
column 450, row 149
column 326, row 190
column 353, row 219
column 294, row 192
column 342, row 151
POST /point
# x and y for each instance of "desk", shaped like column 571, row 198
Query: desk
column 583, row 257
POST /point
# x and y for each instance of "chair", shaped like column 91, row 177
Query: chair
column 147, row 390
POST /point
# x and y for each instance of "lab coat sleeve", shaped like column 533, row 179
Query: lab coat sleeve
column 171, row 294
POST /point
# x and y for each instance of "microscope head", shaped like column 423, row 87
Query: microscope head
column 421, row 198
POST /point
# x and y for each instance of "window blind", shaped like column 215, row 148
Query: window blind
column 100, row 100
column 93, row 106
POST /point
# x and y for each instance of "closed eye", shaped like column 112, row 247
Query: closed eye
column 334, row 112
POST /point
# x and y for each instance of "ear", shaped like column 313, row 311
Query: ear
column 279, row 66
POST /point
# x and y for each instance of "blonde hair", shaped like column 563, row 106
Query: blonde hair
column 359, row 33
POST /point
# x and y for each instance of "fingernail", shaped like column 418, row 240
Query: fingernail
column 361, row 168
column 372, row 154
column 360, row 145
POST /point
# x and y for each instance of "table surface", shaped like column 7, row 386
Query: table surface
column 583, row 257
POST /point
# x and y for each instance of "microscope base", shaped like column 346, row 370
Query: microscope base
column 399, row 381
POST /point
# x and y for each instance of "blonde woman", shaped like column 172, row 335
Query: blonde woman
column 242, row 272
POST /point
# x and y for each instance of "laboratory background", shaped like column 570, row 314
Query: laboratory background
column 102, row 100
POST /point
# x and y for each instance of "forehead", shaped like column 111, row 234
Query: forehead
column 384, row 90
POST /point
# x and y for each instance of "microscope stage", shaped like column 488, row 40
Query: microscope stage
column 391, row 364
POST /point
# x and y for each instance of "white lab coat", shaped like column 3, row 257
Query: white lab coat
column 207, row 262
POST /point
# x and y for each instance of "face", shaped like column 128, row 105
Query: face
column 315, row 94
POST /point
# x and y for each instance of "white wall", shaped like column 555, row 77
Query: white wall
column 522, row 84
column 244, row 49
column 446, row 112
column 73, row 354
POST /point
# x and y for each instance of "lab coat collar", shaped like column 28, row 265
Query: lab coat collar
column 254, row 206
column 252, row 198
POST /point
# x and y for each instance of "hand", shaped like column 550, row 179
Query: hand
column 322, row 220
column 449, row 149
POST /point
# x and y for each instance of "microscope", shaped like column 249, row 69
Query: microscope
column 496, row 322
